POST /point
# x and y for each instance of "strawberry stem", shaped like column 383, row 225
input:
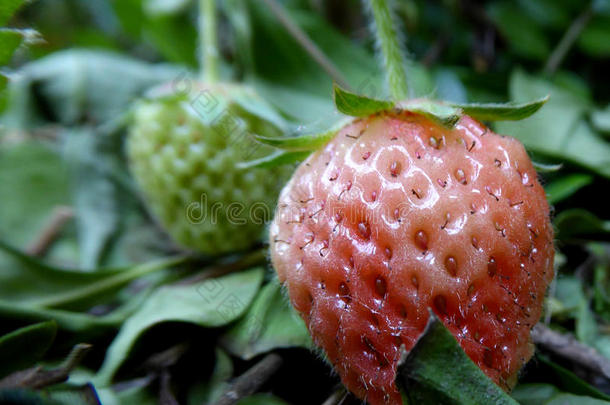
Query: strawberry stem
column 394, row 62
column 208, row 44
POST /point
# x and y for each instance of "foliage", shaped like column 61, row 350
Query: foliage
column 110, row 276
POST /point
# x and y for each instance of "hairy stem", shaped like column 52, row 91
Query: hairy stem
column 208, row 43
column 392, row 53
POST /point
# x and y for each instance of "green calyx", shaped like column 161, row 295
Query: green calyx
column 355, row 105
column 302, row 143
column 445, row 113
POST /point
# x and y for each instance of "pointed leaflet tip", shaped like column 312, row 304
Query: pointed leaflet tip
column 511, row 111
column 277, row 158
column 297, row 143
column 356, row 105
column 302, row 143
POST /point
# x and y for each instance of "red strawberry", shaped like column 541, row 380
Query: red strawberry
column 397, row 214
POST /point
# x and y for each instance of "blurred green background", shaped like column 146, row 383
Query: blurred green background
column 111, row 268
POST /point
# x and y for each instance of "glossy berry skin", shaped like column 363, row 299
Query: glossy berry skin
column 396, row 215
column 183, row 150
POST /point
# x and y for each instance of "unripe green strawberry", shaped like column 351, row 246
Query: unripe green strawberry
column 183, row 148
column 396, row 215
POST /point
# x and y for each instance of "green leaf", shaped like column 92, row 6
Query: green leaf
column 567, row 381
column 210, row 303
column 569, row 294
column 3, row 83
column 600, row 119
column 22, row 396
column 574, row 85
column 437, row 371
column 24, row 347
column 444, row 114
column 29, row 282
column 9, row 42
column 356, row 105
column 580, row 224
column 84, row 394
column 277, row 158
column 534, row 394
column 510, row 111
column 302, row 143
column 211, row 390
column 570, row 399
column 31, row 168
column 449, row 86
column 95, row 193
column 77, row 322
column 140, row 394
column 165, row 7
column 547, row 168
column 601, row 291
column 239, row 18
column 564, row 380
column 564, row 187
column 601, row 7
column 595, row 38
column 300, row 88
column 71, row 321
column 76, row 86
column 549, row 13
column 270, row 323
column 27, row 171
column 251, row 103
column 525, row 38
column 602, row 343
column 559, row 130
column 7, row 9
column 172, row 35
column 586, row 326
column 299, row 105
